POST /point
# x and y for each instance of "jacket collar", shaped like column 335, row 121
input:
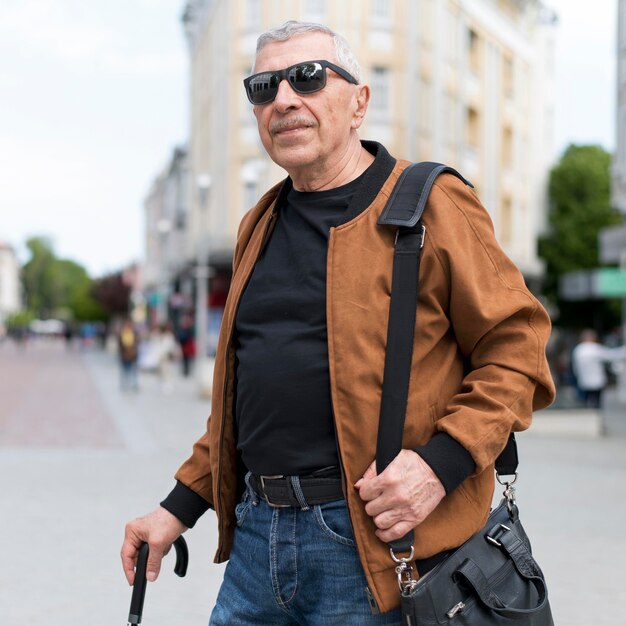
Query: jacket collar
column 374, row 178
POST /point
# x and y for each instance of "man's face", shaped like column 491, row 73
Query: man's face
column 300, row 131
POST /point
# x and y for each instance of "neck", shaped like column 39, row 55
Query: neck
column 349, row 166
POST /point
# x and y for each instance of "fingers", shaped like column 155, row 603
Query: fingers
column 387, row 518
column 129, row 560
column 402, row 496
column 153, row 568
column 158, row 529
column 397, row 531
column 369, row 485
column 159, row 547
column 370, row 473
column 135, row 536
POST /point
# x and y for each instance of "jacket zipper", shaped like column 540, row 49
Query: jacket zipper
column 218, row 500
column 368, row 592
column 372, row 601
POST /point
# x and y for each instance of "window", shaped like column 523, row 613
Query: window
column 381, row 11
column 473, row 50
column 508, row 78
column 449, row 115
column 250, row 196
column 253, row 15
column 506, row 220
column 473, row 128
column 250, row 184
column 315, row 10
column 380, row 91
column 507, row 147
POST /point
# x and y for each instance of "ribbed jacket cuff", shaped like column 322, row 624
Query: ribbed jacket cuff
column 185, row 504
column 450, row 461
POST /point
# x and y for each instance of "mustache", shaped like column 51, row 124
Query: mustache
column 290, row 122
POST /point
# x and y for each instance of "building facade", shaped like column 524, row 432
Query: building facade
column 619, row 158
column 10, row 289
column 613, row 240
column 167, row 271
column 465, row 82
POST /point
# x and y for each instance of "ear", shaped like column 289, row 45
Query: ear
column 362, row 99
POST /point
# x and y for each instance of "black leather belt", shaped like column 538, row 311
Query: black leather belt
column 298, row 491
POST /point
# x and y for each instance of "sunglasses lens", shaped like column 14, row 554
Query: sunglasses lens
column 303, row 78
column 307, row 77
column 262, row 88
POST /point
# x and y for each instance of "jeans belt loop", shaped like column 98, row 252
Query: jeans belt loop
column 297, row 490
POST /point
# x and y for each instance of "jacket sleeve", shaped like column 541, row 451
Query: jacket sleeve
column 500, row 327
column 185, row 504
column 192, row 495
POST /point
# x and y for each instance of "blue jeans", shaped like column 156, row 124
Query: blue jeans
column 129, row 376
column 294, row 567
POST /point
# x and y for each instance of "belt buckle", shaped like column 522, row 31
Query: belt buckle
column 263, row 478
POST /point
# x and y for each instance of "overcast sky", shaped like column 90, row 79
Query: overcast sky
column 93, row 98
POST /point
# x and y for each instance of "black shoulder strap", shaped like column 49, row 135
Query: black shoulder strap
column 408, row 198
column 404, row 210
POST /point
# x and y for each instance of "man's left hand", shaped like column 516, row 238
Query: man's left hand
column 402, row 496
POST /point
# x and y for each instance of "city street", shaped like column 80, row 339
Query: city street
column 78, row 458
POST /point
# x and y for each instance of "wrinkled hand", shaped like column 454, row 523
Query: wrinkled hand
column 402, row 496
column 159, row 529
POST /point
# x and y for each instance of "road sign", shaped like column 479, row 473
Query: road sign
column 576, row 286
column 597, row 284
column 612, row 244
column 610, row 282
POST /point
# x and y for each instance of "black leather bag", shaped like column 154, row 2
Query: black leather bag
column 493, row 578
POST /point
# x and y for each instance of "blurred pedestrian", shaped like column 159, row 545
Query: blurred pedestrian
column 149, row 350
column 187, row 342
column 128, row 347
column 68, row 333
column 589, row 361
column 167, row 351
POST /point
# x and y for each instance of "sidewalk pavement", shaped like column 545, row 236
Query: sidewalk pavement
column 78, row 459
column 67, row 493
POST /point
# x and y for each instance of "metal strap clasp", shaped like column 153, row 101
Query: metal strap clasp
column 509, row 491
column 404, row 570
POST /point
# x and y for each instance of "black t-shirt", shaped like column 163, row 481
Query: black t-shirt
column 256, row 414
column 283, row 407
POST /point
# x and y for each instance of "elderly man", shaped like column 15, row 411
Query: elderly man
column 287, row 461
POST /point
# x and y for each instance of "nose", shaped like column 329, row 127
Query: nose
column 286, row 97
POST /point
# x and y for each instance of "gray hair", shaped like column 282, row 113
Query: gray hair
column 343, row 53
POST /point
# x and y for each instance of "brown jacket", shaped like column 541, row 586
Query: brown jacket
column 479, row 352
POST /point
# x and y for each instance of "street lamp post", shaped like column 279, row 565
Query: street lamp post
column 164, row 228
column 204, row 368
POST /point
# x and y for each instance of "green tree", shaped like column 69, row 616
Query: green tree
column 55, row 285
column 579, row 192
column 18, row 320
column 38, row 277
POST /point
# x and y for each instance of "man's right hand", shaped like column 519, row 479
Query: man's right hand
column 159, row 529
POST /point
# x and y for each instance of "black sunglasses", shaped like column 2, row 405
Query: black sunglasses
column 306, row 77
